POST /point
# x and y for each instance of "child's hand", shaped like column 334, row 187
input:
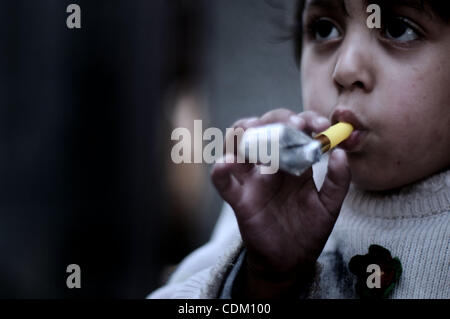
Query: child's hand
column 284, row 221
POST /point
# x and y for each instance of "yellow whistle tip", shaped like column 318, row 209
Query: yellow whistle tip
column 338, row 133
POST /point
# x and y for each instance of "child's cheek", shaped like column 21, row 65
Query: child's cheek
column 402, row 104
column 317, row 105
column 316, row 98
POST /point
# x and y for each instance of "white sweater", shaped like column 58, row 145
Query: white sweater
column 413, row 224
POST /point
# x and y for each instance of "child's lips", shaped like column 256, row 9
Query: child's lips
column 355, row 142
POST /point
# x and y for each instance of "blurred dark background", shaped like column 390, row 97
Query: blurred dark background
column 86, row 116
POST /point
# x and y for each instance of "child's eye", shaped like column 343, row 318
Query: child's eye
column 400, row 30
column 323, row 30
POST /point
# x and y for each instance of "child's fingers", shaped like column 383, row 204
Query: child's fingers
column 246, row 123
column 226, row 184
column 337, row 181
column 314, row 122
column 277, row 115
column 282, row 116
column 308, row 121
column 241, row 171
column 232, row 136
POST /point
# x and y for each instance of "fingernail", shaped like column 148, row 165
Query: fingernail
column 297, row 120
column 251, row 121
column 321, row 121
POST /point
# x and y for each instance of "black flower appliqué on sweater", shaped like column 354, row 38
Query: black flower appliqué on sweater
column 377, row 263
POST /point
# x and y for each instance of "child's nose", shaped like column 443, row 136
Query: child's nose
column 354, row 67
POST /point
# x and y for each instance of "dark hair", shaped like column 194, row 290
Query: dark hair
column 298, row 29
column 440, row 8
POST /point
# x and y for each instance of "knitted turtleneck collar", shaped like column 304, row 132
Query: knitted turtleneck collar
column 427, row 197
column 424, row 198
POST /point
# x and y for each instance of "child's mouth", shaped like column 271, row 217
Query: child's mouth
column 355, row 142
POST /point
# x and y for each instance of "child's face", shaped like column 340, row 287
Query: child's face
column 392, row 84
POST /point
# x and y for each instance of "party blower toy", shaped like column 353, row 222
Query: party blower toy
column 297, row 150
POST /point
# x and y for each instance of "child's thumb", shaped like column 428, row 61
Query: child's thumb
column 223, row 179
column 337, row 181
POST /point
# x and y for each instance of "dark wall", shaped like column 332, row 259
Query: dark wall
column 81, row 131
